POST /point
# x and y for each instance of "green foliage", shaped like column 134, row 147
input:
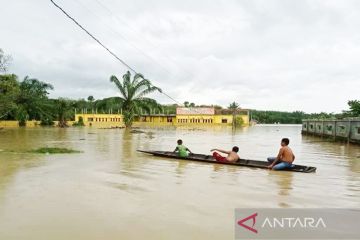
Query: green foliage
column 233, row 106
column 46, row 121
column 91, row 98
column 354, row 107
column 239, row 121
column 4, row 61
column 53, row 150
column 189, row 104
column 33, row 101
column 169, row 109
column 21, row 116
column 9, row 92
column 64, row 111
column 80, row 123
column 133, row 94
column 270, row 117
column 106, row 104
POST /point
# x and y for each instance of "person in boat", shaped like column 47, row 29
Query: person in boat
column 285, row 157
column 181, row 149
column 232, row 156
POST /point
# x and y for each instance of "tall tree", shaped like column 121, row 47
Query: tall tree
column 9, row 91
column 233, row 106
column 33, row 102
column 91, row 98
column 354, row 107
column 64, row 111
column 132, row 95
column 4, row 61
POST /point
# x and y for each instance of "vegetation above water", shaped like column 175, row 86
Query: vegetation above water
column 53, row 150
column 133, row 95
column 297, row 116
column 27, row 99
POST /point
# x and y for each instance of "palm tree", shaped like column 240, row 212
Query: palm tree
column 133, row 94
column 63, row 111
column 234, row 106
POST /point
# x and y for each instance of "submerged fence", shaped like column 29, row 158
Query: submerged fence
column 345, row 130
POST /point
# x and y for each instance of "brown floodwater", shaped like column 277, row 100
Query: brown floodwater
column 110, row 191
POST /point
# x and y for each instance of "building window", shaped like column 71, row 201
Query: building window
column 311, row 126
column 90, row 119
column 223, row 120
column 319, row 127
column 358, row 130
column 329, row 127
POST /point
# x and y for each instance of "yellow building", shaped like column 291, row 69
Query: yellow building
column 155, row 119
column 183, row 117
column 101, row 120
column 210, row 116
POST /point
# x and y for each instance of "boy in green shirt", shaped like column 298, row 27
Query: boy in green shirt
column 181, row 149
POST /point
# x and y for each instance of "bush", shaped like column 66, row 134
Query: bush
column 80, row 123
column 239, row 121
column 47, row 122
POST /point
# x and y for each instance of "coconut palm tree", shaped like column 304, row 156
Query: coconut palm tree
column 234, row 107
column 133, row 94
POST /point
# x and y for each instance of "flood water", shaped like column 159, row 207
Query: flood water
column 110, row 191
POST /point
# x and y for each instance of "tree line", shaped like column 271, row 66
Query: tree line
column 28, row 99
column 296, row 117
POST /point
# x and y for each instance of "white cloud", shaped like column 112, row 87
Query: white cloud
column 273, row 54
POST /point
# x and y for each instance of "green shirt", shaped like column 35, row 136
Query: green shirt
column 182, row 151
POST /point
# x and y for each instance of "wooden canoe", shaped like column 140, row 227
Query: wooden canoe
column 241, row 162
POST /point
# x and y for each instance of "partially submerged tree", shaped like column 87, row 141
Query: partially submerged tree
column 63, row 111
column 133, row 95
column 33, row 101
column 234, row 106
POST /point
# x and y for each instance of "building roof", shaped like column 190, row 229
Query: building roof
column 195, row 111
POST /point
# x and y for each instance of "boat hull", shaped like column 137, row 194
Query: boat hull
column 241, row 162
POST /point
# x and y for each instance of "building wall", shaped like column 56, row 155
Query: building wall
column 210, row 119
column 355, row 131
column 116, row 120
column 156, row 119
column 101, row 120
column 339, row 129
column 32, row 123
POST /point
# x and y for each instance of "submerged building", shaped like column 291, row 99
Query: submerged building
column 184, row 116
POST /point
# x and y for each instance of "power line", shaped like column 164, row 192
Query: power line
column 115, row 32
column 106, row 48
column 93, row 37
column 113, row 16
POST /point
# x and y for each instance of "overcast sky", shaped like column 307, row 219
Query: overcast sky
column 269, row 54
